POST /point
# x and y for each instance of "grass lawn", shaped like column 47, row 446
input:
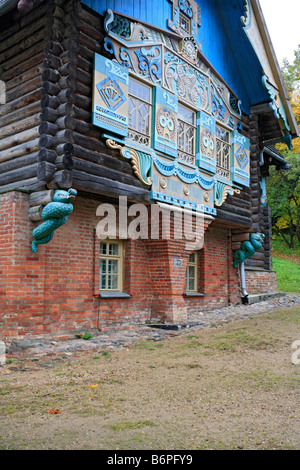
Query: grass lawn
column 286, row 262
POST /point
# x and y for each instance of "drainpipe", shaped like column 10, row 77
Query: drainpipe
column 243, row 284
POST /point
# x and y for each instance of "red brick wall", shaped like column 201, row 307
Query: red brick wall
column 260, row 282
column 55, row 291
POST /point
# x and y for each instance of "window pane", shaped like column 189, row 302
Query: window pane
column 139, row 90
column 102, row 281
column 113, row 281
column 113, row 266
column 192, row 258
column 192, row 272
column 186, row 115
column 113, row 249
column 103, row 266
column 103, row 247
column 192, row 284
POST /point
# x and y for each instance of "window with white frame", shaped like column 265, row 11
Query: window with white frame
column 186, row 135
column 139, row 112
column 223, row 151
column 192, row 273
column 111, row 266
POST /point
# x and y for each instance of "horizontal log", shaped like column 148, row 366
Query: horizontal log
column 45, row 171
column 99, row 185
column 20, row 126
column 28, row 185
column 64, row 162
column 25, row 56
column 20, row 162
column 234, row 209
column 20, row 150
column 50, row 88
column 21, row 67
column 62, row 179
column 48, row 101
column 18, row 80
column 241, row 237
column 236, row 246
column 41, row 198
column 47, row 141
column 48, row 128
column 52, row 62
column 35, row 213
column 21, row 102
column 17, row 139
column 23, row 89
column 15, row 116
column 16, row 34
column 112, row 175
column 254, row 263
column 18, row 174
column 233, row 220
column 50, row 75
column 20, row 49
column 47, row 155
column 49, row 115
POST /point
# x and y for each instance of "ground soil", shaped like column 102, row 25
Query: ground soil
column 230, row 387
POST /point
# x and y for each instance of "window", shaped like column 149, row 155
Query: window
column 223, row 152
column 192, row 273
column 185, row 23
column 139, row 112
column 186, row 135
column 111, row 266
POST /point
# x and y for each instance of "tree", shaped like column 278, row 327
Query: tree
column 283, row 190
column 283, row 186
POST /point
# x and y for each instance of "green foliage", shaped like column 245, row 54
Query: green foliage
column 283, row 191
column 288, row 275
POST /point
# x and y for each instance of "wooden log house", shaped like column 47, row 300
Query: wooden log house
column 168, row 104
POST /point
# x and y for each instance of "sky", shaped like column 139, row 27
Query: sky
column 283, row 22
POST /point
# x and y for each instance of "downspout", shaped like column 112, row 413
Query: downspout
column 245, row 295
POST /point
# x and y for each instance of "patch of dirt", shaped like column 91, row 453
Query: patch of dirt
column 230, row 387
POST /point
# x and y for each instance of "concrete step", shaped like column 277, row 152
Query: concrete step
column 253, row 299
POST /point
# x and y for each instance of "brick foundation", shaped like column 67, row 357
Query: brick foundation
column 55, row 292
column 260, row 282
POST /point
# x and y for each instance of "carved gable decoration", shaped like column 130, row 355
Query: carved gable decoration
column 168, row 113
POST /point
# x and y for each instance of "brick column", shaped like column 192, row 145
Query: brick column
column 22, row 272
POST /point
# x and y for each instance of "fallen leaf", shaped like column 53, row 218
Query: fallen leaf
column 93, row 386
column 54, row 412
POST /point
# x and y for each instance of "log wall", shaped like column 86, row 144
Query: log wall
column 22, row 55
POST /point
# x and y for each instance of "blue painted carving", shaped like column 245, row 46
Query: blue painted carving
column 185, row 6
column 124, row 55
column 276, row 103
column 180, row 202
column 185, row 81
column 188, row 176
column 248, row 248
column 54, row 215
column 149, row 63
column 117, row 24
column 111, row 93
column 242, row 157
column 217, row 107
column 149, row 60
